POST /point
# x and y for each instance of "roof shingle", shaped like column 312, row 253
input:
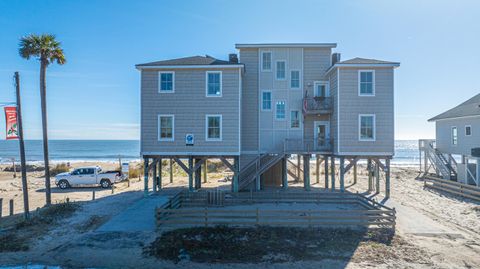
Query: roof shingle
column 193, row 60
column 358, row 60
column 471, row 107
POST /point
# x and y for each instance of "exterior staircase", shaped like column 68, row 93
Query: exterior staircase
column 257, row 167
column 446, row 168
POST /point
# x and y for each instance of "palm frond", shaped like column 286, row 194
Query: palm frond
column 43, row 47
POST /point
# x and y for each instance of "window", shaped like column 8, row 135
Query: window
column 165, row 127
column 214, row 83
column 321, row 88
column 295, row 79
column 214, row 127
column 266, row 61
column 366, row 127
column 366, row 83
column 468, row 130
column 294, row 119
column 454, row 136
column 280, row 113
column 166, row 82
column 266, row 100
column 281, row 70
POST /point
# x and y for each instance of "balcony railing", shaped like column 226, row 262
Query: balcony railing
column 317, row 105
column 308, row 145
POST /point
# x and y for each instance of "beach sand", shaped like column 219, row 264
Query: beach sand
column 455, row 246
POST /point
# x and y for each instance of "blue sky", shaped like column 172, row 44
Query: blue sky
column 96, row 94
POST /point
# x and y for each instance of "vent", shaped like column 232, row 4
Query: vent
column 335, row 58
column 232, row 58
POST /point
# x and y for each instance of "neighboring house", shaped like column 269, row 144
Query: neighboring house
column 273, row 101
column 458, row 133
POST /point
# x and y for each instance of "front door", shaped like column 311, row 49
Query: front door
column 321, row 134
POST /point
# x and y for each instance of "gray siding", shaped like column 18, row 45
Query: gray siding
column 351, row 105
column 465, row 143
column 316, row 63
column 249, row 118
column 334, row 93
column 190, row 106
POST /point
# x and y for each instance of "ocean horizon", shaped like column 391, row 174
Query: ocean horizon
column 406, row 151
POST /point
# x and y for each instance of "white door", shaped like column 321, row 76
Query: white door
column 321, row 134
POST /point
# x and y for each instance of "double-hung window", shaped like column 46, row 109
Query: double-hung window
column 321, row 89
column 294, row 79
column 213, row 127
column 214, row 83
column 166, row 127
column 294, row 119
column 468, row 130
column 454, row 135
column 280, row 110
column 366, row 127
column 366, row 83
column 281, row 66
column 166, row 82
column 266, row 100
column 266, row 61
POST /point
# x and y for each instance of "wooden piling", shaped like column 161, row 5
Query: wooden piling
column 377, row 177
column 369, row 169
column 171, row 170
column 326, row 172
column 284, row 173
column 190, row 173
column 93, row 195
column 306, row 172
column 145, row 177
column 159, row 176
column 298, row 168
column 317, row 168
column 342, row 174
column 355, row 173
column 332, row 172
column 154, row 175
column 387, row 178
column 11, row 207
column 1, row 207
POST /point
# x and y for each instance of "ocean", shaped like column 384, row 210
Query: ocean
column 406, row 151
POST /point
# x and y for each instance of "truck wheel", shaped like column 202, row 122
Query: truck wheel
column 63, row 184
column 105, row 183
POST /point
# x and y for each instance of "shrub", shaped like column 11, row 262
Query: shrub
column 59, row 168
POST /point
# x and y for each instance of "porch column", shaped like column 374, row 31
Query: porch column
column 154, row 175
column 306, row 172
column 159, row 178
column 235, row 181
column 332, row 167
column 284, row 173
column 342, row 174
column 387, row 178
column 190, row 173
column 145, row 176
column 326, row 171
column 198, row 174
column 171, row 170
column 317, row 168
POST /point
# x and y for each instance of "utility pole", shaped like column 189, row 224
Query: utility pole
column 22, row 148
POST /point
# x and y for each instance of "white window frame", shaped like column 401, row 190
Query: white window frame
column 468, row 126
column 299, row 119
column 271, row 101
column 261, row 61
column 452, row 141
column 285, row 110
column 327, row 87
column 299, row 79
column 206, row 127
column 276, row 70
column 160, row 81
column 360, row 128
column 159, row 127
column 360, row 81
column 206, row 83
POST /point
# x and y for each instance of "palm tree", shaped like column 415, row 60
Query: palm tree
column 47, row 50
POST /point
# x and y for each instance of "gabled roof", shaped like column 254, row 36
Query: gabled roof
column 358, row 60
column 188, row 61
column 286, row 45
column 471, row 107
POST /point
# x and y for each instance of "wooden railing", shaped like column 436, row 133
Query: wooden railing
column 307, row 145
column 464, row 190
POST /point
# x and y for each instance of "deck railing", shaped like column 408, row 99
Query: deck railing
column 316, row 105
column 308, row 145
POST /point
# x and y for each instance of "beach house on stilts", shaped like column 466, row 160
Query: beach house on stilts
column 256, row 110
column 455, row 153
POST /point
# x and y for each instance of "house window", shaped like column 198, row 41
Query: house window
column 166, row 82
column 295, row 79
column 165, row 127
column 214, row 127
column 214, row 83
column 266, row 61
column 366, row 85
column 280, row 110
column 454, row 135
column 468, row 130
column 281, row 70
column 266, row 100
column 321, row 89
column 294, row 119
column 366, row 127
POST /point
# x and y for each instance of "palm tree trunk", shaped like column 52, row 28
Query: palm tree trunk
column 43, row 69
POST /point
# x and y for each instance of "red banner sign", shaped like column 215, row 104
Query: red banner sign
column 11, row 122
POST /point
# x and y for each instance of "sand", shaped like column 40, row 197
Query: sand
column 71, row 244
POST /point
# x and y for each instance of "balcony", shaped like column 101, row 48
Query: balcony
column 312, row 146
column 317, row 105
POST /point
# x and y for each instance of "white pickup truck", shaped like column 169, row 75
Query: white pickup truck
column 87, row 176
